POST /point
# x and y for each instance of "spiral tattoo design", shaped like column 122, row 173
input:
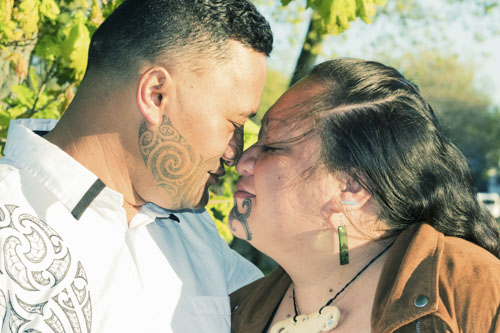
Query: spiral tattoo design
column 241, row 216
column 173, row 162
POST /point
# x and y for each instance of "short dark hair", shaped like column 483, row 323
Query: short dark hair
column 143, row 30
column 374, row 125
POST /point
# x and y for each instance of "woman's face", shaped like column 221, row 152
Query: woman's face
column 282, row 197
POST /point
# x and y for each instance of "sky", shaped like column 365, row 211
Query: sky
column 455, row 27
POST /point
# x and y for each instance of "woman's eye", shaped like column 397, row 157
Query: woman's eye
column 269, row 149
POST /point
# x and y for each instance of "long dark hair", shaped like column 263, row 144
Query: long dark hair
column 375, row 126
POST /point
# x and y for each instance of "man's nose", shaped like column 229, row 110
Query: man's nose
column 234, row 149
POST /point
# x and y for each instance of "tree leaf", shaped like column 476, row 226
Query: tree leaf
column 96, row 17
column 6, row 11
column 28, row 17
column 34, row 79
column 25, row 95
column 49, row 9
column 75, row 48
column 48, row 48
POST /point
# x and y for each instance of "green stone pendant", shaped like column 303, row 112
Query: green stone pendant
column 344, row 248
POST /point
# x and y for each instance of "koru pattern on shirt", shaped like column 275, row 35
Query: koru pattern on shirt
column 41, row 288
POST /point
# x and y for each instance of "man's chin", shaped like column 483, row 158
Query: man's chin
column 203, row 200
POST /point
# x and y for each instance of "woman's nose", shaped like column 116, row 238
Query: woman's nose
column 246, row 164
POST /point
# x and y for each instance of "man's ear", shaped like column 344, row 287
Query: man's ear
column 153, row 94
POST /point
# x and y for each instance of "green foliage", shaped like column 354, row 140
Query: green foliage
column 333, row 16
column 46, row 43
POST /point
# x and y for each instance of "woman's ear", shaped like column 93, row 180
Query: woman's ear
column 353, row 195
column 153, row 94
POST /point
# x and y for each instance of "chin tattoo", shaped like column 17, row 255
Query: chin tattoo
column 241, row 217
column 175, row 166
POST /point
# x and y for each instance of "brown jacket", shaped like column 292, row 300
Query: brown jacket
column 430, row 283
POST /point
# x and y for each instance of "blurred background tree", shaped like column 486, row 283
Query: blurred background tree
column 44, row 43
column 43, row 54
column 467, row 114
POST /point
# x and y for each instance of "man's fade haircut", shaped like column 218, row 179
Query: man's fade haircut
column 178, row 30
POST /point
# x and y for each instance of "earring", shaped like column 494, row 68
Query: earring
column 343, row 247
column 342, row 231
column 348, row 202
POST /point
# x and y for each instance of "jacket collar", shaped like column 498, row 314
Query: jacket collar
column 408, row 286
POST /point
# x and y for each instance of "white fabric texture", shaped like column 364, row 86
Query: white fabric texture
column 99, row 273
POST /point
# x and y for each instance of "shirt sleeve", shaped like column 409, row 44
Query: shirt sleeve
column 239, row 270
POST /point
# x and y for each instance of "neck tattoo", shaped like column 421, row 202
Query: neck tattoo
column 326, row 318
column 173, row 162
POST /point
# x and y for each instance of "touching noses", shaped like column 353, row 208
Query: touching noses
column 246, row 164
column 234, row 148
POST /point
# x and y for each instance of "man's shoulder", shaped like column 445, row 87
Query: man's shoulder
column 16, row 184
column 7, row 169
column 11, row 183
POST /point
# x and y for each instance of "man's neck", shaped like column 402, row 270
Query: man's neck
column 103, row 155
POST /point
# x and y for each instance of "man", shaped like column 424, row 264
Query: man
column 85, row 246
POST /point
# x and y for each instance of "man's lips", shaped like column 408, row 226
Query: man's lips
column 213, row 179
column 214, row 176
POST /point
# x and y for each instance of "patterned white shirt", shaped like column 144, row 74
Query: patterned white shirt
column 70, row 262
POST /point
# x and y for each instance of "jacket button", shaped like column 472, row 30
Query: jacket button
column 421, row 301
column 235, row 307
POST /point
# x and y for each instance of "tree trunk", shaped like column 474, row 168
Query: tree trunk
column 307, row 58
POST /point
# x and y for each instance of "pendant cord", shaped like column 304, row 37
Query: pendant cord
column 295, row 306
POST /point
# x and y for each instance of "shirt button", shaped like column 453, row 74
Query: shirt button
column 421, row 301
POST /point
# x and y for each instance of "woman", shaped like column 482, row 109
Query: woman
column 369, row 211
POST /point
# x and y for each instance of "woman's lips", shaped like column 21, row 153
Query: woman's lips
column 243, row 195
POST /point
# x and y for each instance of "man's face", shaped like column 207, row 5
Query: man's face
column 202, row 127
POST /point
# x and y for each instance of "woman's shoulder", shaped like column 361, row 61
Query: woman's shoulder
column 462, row 260
column 254, row 304
column 278, row 280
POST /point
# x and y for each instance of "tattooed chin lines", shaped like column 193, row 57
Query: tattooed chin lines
column 241, row 217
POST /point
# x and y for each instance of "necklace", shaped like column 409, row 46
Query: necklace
column 326, row 318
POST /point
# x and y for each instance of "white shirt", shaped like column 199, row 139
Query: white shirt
column 70, row 262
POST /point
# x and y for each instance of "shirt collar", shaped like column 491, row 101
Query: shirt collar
column 68, row 180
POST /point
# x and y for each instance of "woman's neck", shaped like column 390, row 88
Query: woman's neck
column 316, row 279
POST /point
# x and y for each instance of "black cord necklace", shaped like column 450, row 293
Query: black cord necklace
column 296, row 308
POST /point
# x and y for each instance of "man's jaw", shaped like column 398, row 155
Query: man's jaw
column 214, row 176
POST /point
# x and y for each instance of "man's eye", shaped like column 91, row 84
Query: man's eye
column 237, row 126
